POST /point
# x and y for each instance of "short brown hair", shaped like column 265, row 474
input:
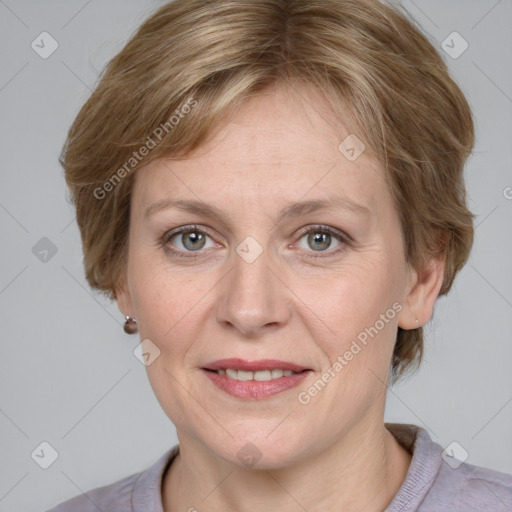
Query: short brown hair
column 365, row 56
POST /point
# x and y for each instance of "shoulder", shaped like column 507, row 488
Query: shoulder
column 113, row 497
column 134, row 493
column 470, row 488
column 436, row 482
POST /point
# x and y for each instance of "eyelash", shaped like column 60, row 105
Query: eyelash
column 344, row 239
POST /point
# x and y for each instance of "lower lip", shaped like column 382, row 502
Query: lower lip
column 255, row 389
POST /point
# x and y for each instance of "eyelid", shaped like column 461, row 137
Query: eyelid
column 184, row 229
column 306, row 229
column 167, row 236
column 344, row 237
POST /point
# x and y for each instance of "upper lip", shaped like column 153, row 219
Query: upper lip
column 254, row 366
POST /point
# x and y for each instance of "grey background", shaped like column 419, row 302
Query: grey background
column 67, row 372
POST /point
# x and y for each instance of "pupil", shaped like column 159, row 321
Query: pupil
column 323, row 238
column 196, row 239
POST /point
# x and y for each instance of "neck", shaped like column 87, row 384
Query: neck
column 361, row 471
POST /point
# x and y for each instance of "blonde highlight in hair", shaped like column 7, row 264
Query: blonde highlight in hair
column 377, row 69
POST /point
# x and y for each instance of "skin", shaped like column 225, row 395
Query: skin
column 280, row 146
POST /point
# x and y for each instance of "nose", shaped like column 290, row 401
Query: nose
column 252, row 297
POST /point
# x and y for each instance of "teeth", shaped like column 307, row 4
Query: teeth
column 243, row 375
column 232, row 374
column 263, row 375
column 260, row 375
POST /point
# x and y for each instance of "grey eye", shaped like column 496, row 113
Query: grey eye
column 318, row 240
column 191, row 240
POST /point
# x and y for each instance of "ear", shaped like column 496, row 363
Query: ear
column 423, row 289
column 123, row 298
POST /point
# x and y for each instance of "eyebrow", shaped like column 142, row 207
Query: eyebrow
column 294, row 209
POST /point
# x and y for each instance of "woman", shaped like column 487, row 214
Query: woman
column 273, row 193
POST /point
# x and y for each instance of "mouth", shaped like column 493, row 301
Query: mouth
column 260, row 375
column 255, row 379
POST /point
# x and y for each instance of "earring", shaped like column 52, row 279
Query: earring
column 417, row 323
column 130, row 325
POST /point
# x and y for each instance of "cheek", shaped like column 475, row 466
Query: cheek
column 360, row 309
column 353, row 298
column 171, row 313
column 166, row 297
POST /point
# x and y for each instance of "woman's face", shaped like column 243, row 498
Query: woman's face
column 269, row 281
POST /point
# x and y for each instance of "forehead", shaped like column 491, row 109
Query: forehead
column 278, row 123
column 282, row 144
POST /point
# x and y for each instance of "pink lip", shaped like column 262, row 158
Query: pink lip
column 253, row 389
column 254, row 366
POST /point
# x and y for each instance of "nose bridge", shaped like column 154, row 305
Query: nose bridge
column 252, row 296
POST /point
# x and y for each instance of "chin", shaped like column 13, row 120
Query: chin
column 255, row 451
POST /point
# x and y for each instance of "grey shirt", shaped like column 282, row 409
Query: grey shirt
column 431, row 485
